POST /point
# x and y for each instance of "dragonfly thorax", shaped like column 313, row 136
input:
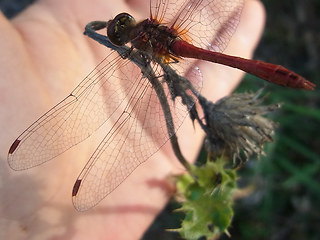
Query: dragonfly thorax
column 155, row 39
column 148, row 36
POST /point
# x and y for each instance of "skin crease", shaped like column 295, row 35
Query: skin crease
column 44, row 55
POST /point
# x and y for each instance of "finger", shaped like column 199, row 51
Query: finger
column 221, row 80
column 141, row 7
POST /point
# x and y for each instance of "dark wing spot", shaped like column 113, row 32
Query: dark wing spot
column 14, row 146
column 76, row 187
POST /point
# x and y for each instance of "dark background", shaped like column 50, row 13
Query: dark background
column 285, row 202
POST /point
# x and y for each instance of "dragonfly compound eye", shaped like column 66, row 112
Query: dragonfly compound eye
column 119, row 28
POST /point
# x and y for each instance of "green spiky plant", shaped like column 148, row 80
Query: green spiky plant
column 236, row 129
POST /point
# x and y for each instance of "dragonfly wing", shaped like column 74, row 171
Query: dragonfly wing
column 76, row 117
column 204, row 23
column 114, row 159
column 137, row 134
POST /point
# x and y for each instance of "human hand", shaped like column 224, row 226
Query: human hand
column 44, row 56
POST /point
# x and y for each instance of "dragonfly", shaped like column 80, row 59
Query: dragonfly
column 120, row 92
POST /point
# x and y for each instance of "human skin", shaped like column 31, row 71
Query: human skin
column 43, row 56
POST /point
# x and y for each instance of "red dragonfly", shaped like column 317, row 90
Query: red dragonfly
column 116, row 90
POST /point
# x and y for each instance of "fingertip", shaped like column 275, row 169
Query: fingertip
column 224, row 79
column 250, row 27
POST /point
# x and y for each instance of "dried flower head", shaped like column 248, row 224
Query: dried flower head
column 236, row 124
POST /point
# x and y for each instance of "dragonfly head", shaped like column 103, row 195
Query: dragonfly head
column 119, row 28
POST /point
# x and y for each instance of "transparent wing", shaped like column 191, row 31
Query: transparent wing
column 139, row 131
column 204, row 23
column 72, row 120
